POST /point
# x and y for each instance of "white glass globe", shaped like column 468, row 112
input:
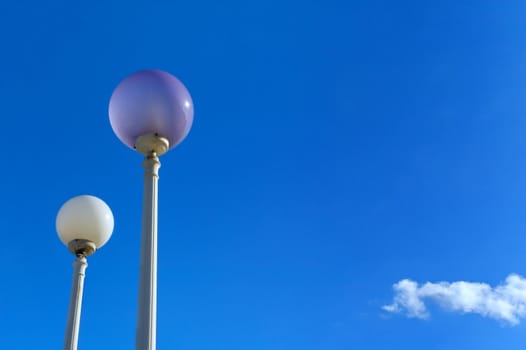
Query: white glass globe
column 85, row 217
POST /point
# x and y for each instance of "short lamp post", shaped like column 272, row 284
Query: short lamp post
column 150, row 111
column 84, row 224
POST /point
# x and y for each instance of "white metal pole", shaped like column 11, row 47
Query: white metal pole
column 147, row 308
column 75, row 303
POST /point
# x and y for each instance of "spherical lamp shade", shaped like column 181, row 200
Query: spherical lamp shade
column 85, row 217
column 151, row 102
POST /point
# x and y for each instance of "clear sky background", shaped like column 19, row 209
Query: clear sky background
column 338, row 149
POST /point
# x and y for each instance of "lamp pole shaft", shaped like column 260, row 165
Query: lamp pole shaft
column 75, row 304
column 147, row 307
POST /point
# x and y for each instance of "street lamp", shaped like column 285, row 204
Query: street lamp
column 84, row 224
column 150, row 111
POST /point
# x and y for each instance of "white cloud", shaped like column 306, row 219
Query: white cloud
column 505, row 302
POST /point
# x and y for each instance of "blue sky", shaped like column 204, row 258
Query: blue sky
column 342, row 153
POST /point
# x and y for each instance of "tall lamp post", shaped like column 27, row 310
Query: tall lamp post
column 150, row 111
column 84, row 224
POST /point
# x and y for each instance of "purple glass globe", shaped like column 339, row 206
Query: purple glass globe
column 151, row 101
